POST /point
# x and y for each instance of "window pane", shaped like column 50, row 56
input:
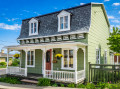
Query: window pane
column 32, row 57
column 71, row 58
column 28, row 58
column 105, row 57
column 48, row 56
column 65, row 58
column 61, row 22
column 35, row 29
column 66, row 22
column 31, row 27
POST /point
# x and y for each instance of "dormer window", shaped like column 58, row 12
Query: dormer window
column 33, row 27
column 63, row 21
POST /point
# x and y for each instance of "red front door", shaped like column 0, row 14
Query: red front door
column 48, row 59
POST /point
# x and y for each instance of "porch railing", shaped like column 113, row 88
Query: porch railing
column 80, row 75
column 64, row 75
column 16, row 71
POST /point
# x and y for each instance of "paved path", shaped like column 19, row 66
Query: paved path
column 20, row 86
column 2, row 71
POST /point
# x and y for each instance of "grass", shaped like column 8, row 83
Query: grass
column 2, row 66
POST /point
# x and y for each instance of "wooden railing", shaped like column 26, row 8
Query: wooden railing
column 65, row 75
column 104, row 73
column 16, row 71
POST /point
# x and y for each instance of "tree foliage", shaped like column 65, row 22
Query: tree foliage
column 114, row 40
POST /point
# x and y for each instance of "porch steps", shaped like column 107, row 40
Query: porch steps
column 29, row 81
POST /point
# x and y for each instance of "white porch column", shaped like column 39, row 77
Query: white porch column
column 26, row 51
column 7, row 57
column 44, row 62
column 117, row 60
column 84, row 59
column 7, row 60
column 113, row 58
column 75, row 62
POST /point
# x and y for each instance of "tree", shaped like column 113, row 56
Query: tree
column 16, row 55
column 114, row 40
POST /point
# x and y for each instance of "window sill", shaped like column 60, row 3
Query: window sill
column 30, row 66
column 67, row 68
column 60, row 30
column 33, row 34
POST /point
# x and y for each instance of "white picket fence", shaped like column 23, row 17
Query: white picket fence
column 64, row 75
column 16, row 71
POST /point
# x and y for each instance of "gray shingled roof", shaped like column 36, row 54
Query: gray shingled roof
column 48, row 23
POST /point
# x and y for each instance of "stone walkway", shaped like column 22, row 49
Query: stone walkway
column 20, row 86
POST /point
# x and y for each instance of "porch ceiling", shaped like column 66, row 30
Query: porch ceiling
column 64, row 44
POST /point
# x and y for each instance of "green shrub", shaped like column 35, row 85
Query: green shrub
column 11, row 80
column 55, row 85
column 102, row 85
column 62, row 85
column 15, row 62
column 80, row 86
column 3, row 63
column 71, row 85
column 90, row 86
column 44, row 82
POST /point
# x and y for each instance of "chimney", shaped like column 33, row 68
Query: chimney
column 2, row 51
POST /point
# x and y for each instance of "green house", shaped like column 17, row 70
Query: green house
column 60, row 45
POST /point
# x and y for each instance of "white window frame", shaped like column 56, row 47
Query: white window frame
column 105, row 56
column 97, row 55
column 33, row 21
column 30, row 59
column 63, row 14
column 62, row 62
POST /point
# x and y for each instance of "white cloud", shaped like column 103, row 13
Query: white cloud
column 106, row 0
column 55, row 8
column 116, row 4
column 82, row 3
column 26, row 11
column 10, row 27
column 115, row 21
column 110, row 17
column 36, row 13
column 13, row 19
column 119, row 12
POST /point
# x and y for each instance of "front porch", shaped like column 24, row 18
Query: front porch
column 70, row 68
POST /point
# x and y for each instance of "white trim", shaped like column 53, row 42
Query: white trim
column 63, row 14
column 71, row 33
column 33, row 21
column 52, row 59
column 33, row 59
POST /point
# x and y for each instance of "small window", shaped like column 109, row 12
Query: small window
column 33, row 27
column 97, row 56
column 105, row 57
column 30, row 59
column 64, row 21
column 68, row 59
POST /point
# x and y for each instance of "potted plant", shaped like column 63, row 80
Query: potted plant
column 58, row 56
column 55, row 61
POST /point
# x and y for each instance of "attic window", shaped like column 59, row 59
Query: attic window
column 63, row 21
column 33, row 27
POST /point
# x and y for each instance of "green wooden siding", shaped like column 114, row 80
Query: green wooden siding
column 38, row 62
column 98, row 34
column 80, row 60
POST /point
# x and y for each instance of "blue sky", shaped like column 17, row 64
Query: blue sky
column 13, row 11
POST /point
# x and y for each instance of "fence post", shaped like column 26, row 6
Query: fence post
column 89, row 70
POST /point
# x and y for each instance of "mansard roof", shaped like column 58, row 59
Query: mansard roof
column 48, row 23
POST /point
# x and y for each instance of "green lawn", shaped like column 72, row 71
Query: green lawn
column 2, row 66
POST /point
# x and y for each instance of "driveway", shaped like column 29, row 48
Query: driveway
column 2, row 71
column 20, row 86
